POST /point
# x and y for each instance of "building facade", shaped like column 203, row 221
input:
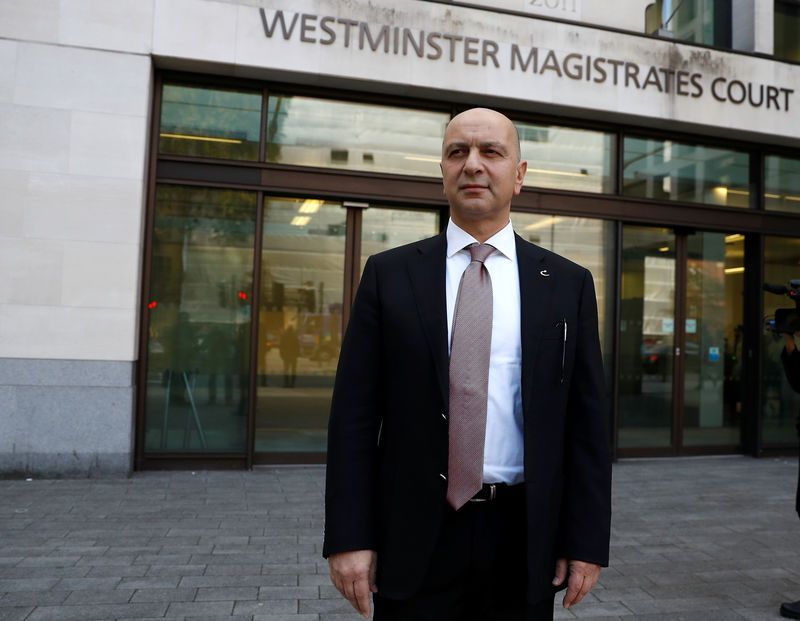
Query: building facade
column 190, row 189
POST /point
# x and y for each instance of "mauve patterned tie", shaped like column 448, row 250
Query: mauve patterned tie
column 470, row 346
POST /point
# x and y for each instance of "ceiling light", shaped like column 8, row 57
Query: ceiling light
column 416, row 158
column 310, row 206
column 543, row 171
column 542, row 223
column 204, row 138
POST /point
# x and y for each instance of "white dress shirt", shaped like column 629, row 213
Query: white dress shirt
column 503, row 451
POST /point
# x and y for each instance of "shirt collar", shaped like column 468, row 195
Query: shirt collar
column 503, row 240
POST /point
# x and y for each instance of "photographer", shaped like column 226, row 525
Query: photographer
column 790, row 357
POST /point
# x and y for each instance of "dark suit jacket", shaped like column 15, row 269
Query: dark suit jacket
column 387, row 438
column 791, row 366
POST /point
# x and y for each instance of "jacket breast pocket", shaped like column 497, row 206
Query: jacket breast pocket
column 554, row 330
column 552, row 354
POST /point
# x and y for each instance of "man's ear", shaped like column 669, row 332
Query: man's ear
column 441, row 169
column 522, row 168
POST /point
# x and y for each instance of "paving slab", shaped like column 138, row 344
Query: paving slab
column 693, row 539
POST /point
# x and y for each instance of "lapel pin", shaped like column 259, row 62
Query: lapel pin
column 544, row 273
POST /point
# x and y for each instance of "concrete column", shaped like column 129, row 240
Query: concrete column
column 764, row 26
column 743, row 25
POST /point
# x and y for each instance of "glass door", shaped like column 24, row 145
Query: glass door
column 681, row 317
column 713, row 326
column 299, row 322
column 247, row 304
column 199, row 321
column 306, row 244
column 646, row 339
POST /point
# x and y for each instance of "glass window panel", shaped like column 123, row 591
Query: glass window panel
column 712, row 412
column 567, row 159
column 300, row 316
column 698, row 21
column 782, row 183
column 210, row 122
column 199, row 331
column 383, row 228
column 669, row 170
column 588, row 242
column 780, row 403
column 646, row 337
column 787, row 29
column 336, row 134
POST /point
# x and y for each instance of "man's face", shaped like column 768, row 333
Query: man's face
column 480, row 166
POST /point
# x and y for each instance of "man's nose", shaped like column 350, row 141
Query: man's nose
column 473, row 163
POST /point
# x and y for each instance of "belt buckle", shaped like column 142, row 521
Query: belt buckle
column 492, row 494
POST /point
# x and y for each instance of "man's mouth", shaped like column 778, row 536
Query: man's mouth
column 473, row 187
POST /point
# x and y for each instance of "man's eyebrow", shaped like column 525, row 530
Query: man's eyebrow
column 453, row 145
column 492, row 144
column 489, row 144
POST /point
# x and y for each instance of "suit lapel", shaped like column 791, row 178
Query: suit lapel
column 536, row 285
column 427, row 272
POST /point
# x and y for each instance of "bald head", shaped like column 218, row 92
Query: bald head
column 481, row 170
column 489, row 118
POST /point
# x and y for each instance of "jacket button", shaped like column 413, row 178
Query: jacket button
column 444, row 416
column 444, row 477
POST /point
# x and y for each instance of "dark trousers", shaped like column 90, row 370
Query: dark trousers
column 478, row 569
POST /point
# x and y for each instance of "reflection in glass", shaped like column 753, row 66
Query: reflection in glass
column 780, row 404
column 199, row 330
column 787, row 25
column 698, row 21
column 567, row 159
column 782, row 183
column 385, row 228
column 712, row 412
column 299, row 335
column 669, row 170
column 589, row 243
column 210, row 122
column 321, row 132
column 646, row 337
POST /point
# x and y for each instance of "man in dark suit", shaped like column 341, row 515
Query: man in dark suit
column 541, row 519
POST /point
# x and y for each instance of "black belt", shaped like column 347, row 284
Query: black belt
column 493, row 491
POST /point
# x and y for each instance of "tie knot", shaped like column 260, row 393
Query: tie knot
column 480, row 252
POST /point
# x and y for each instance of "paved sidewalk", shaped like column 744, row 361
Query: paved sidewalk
column 694, row 539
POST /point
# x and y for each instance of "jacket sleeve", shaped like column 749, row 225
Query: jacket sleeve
column 353, row 427
column 586, row 509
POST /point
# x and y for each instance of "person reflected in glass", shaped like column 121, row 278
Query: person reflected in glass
column 290, row 350
column 218, row 354
column 309, row 296
column 183, row 358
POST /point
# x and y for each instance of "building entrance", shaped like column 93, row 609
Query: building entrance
column 680, row 335
column 311, row 262
column 248, row 295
